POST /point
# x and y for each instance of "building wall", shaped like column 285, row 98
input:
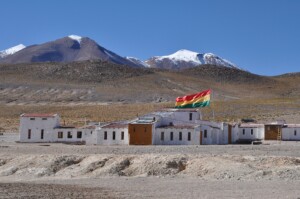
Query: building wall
column 257, row 133
column 289, row 133
column 36, row 126
column 234, row 134
column 140, row 134
column 109, row 136
column 210, row 135
column 73, row 133
column 194, row 135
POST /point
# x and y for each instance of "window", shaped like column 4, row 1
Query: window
column 162, row 136
column 79, row 134
column 171, row 136
column 105, row 135
column 205, row 133
column 60, row 134
column 180, row 135
column 191, row 116
column 29, row 134
column 44, row 118
column 91, row 132
column 122, row 135
column 32, row 118
column 69, row 134
column 243, row 131
column 114, row 135
column 189, row 136
column 295, row 133
column 42, row 134
column 251, row 131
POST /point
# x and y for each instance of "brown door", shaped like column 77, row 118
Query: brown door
column 140, row 134
column 272, row 132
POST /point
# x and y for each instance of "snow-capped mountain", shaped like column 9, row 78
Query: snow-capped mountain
column 137, row 61
column 186, row 59
column 67, row 49
column 11, row 51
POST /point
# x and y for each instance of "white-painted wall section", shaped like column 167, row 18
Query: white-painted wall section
column 291, row 132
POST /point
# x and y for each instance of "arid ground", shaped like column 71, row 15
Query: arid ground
column 270, row 170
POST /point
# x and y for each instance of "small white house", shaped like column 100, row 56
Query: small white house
column 213, row 133
column 291, row 132
column 38, row 127
column 112, row 134
column 249, row 132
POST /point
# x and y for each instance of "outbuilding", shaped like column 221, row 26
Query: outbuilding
column 113, row 134
column 291, row 132
column 249, row 132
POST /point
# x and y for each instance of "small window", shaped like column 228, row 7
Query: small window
column 44, row 118
column 251, row 131
column 79, row 134
column 171, row 136
column 205, row 133
column 243, row 131
column 32, row 118
column 105, row 135
column 191, row 116
column 180, row 135
column 69, row 134
column 162, row 136
column 171, row 124
column 189, row 136
column 295, row 133
column 42, row 134
column 114, row 135
column 91, row 132
column 60, row 134
column 29, row 134
column 122, row 135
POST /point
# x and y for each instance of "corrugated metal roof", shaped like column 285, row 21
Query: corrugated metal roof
column 38, row 115
column 292, row 125
column 251, row 125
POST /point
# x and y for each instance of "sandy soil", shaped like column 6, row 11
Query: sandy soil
column 271, row 170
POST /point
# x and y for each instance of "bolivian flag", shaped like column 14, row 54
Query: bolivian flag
column 201, row 99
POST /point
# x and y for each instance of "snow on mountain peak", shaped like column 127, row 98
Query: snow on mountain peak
column 12, row 50
column 76, row 38
column 183, row 55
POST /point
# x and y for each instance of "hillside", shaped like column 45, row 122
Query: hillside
column 97, row 81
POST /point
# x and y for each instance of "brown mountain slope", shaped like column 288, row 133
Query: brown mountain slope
column 96, row 81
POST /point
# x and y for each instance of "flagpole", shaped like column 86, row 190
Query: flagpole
column 213, row 111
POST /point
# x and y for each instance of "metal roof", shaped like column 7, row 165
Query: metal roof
column 38, row 115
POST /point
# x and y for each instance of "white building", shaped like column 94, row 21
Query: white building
column 291, row 132
column 47, row 128
column 249, row 132
column 38, row 127
column 177, row 135
column 112, row 134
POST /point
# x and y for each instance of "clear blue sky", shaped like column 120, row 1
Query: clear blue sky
column 262, row 36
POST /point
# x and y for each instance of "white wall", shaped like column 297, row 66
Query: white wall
column 73, row 132
column 234, row 134
column 258, row 133
column 288, row 133
column 48, row 124
column 195, row 136
column 110, row 141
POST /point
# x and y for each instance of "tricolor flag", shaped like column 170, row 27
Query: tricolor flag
column 201, row 99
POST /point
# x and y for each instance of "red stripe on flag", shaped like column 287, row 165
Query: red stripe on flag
column 193, row 96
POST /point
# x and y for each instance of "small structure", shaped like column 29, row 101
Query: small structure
column 47, row 128
column 249, row 132
column 112, row 134
column 291, row 132
column 38, row 127
column 273, row 131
